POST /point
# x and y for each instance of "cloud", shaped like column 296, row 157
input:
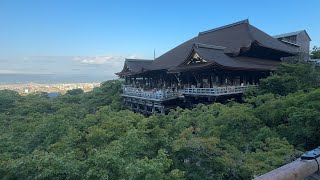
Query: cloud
column 107, row 65
column 6, row 71
column 99, row 60
column 102, row 67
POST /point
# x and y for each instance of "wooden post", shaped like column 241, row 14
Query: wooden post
column 188, row 80
column 144, row 82
column 153, row 108
column 145, row 107
column 210, row 80
column 162, row 109
column 241, row 78
column 296, row 170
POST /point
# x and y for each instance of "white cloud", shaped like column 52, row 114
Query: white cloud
column 91, row 66
column 99, row 60
column 6, row 71
column 107, row 65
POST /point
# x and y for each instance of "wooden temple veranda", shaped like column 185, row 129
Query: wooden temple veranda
column 217, row 64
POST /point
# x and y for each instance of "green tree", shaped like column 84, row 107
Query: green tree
column 290, row 78
column 75, row 92
column 8, row 99
column 315, row 53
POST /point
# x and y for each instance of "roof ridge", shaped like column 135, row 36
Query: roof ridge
column 209, row 46
column 226, row 26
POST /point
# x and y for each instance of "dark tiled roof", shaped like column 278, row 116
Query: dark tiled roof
column 223, row 27
column 135, row 66
column 234, row 37
column 291, row 34
column 217, row 58
column 288, row 34
column 289, row 43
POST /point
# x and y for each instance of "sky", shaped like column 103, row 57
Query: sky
column 93, row 37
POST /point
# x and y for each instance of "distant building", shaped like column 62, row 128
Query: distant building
column 299, row 39
column 218, row 63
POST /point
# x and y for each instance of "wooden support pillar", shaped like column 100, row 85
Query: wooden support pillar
column 232, row 80
column 241, row 78
column 144, row 82
column 217, row 79
column 153, row 108
column 162, row 110
column 221, row 79
column 145, row 107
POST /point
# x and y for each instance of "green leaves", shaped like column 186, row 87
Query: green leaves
column 290, row 78
column 8, row 99
column 88, row 135
column 315, row 53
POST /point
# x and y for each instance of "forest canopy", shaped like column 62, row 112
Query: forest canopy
column 91, row 136
column 315, row 53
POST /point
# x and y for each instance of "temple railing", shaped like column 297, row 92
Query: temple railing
column 165, row 94
column 217, row 91
column 159, row 95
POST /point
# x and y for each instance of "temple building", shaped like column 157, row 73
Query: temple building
column 218, row 63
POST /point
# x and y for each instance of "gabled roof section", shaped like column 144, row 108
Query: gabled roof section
column 135, row 66
column 193, row 53
column 291, row 34
column 268, row 41
column 215, row 57
column 234, row 37
column 218, row 58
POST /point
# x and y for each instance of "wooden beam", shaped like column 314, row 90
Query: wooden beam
column 296, row 170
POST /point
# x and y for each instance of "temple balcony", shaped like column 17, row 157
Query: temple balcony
column 168, row 94
column 152, row 95
column 216, row 91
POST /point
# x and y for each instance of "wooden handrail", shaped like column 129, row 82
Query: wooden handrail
column 294, row 171
column 216, row 90
column 164, row 94
column 306, row 167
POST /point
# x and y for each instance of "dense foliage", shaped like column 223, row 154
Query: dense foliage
column 315, row 53
column 90, row 135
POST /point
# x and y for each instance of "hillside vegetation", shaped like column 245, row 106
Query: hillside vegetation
column 90, row 135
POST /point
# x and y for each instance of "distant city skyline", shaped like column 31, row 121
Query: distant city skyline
column 92, row 38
